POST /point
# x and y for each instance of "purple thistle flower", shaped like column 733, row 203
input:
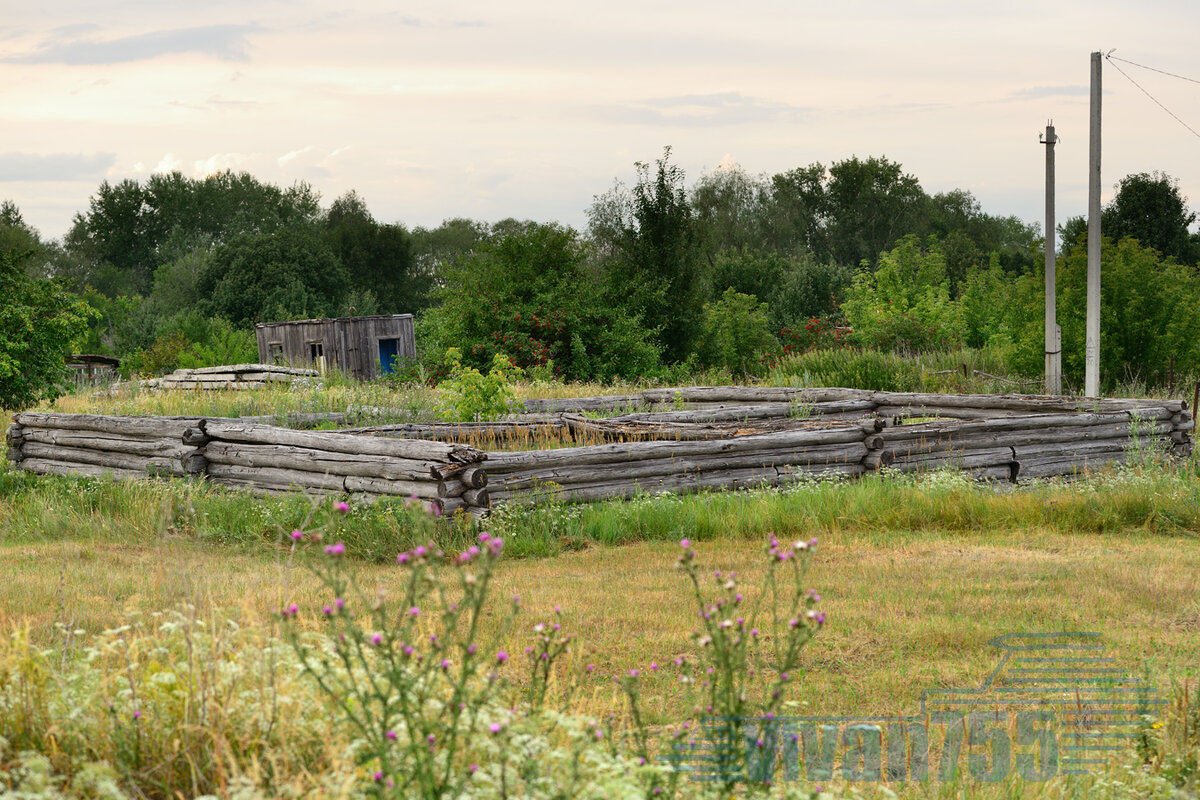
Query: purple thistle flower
column 391, row 735
column 297, row 535
column 445, row 663
column 137, row 714
column 378, row 777
column 414, row 612
column 685, row 543
column 341, row 506
column 327, row 611
column 501, row 657
column 473, row 768
column 339, row 603
column 633, row 673
column 402, row 558
column 336, row 549
column 435, row 510
column 420, row 551
column 495, row 727
column 377, row 639
column 471, row 649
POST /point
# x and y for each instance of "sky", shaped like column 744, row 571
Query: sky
column 530, row 109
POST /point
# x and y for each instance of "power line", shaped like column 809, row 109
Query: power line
column 1152, row 69
column 1152, row 97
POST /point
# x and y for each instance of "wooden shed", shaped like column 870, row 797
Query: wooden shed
column 360, row 346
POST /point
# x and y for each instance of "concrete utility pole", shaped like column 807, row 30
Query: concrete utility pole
column 1091, row 379
column 1053, row 335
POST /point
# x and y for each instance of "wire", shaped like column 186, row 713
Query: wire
column 1152, row 97
column 1152, row 69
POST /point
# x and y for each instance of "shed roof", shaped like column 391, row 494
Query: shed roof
column 330, row 319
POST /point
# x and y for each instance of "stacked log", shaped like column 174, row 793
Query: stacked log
column 598, row 472
column 445, row 475
column 236, row 376
column 95, row 445
column 1032, row 445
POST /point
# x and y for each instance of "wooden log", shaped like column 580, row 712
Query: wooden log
column 1024, row 422
column 338, row 442
column 276, row 369
column 307, row 459
column 477, row 497
column 473, row 477
column 14, row 436
column 145, row 427
column 501, row 430
column 587, row 474
column 1047, row 469
column 275, row 491
column 90, row 440
column 1021, row 402
column 1185, row 425
column 13, row 454
column 903, row 412
column 878, row 458
column 1072, row 449
column 503, row 462
column 581, row 404
column 102, row 458
column 43, row 466
column 195, row 437
column 736, row 413
column 193, row 463
column 754, row 394
column 674, row 484
column 1180, row 437
column 424, row 490
column 987, row 457
column 1023, row 437
column 275, row 478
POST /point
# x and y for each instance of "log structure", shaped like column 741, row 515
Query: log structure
column 237, row 376
column 711, row 438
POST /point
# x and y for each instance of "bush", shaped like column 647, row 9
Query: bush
column 736, row 334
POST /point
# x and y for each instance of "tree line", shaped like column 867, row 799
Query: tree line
column 722, row 273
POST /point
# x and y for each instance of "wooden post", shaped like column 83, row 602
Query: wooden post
column 1092, row 340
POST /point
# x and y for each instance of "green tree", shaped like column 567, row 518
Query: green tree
column 736, row 334
column 905, row 304
column 867, row 206
column 1150, row 208
column 289, row 274
column 529, row 297
column 378, row 258
column 39, row 323
column 649, row 237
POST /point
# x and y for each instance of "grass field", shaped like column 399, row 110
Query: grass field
column 103, row 585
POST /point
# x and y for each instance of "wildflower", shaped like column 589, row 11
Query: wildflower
column 495, row 727
column 341, row 506
column 800, row 545
column 378, row 777
column 402, row 558
column 137, row 714
column 812, row 593
column 653, row 666
column 435, row 510
column 414, row 612
column 445, row 663
column 291, row 610
column 633, row 673
column 391, row 735
column 339, row 603
column 685, row 543
column 297, row 535
column 335, row 549
column 377, row 639
column 327, row 611
column 473, row 768
column 591, row 667
column 754, row 631
column 431, row 739
column 471, row 649
column 420, row 551
column 501, row 657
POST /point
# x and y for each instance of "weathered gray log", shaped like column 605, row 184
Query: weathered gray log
column 474, row 477
column 307, row 459
column 44, row 466
column 875, row 459
column 1022, row 437
column 735, row 413
column 90, row 440
column 852, row 453
column 499, row 462
column 580, row 404
column 500, row 430
column 271, row 368
column 1184, row 425
column 675, row 484
column 929, row 430
column 1047, row 469
column 1018, row 402
column 903, row 412
column 14, row 455
column 338, row 442
column 193, row 463
column 477, row 497
column 275, row 478
column 195, row 437
column 1074, row 449
column 753, row 394
column 984, row 457
column 258, row 487
column 146, row 427
column 14, row 435
column 425, row 490
column 101, row 458
column 1180, row 437
column 211, row 385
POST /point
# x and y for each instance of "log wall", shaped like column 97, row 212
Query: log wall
column 724, row 438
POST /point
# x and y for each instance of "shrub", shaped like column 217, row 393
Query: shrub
column 736, row 333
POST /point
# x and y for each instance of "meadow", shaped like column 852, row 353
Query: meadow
column 147, row 655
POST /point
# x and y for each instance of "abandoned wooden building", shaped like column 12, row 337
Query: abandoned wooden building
column 364, row 347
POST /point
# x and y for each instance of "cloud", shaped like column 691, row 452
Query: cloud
column 54, row 166
column 226, row 42
column 704, row 110
column 1038, row 92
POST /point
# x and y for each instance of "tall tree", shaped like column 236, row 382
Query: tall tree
column 868, row 205
column 655, row 262
column 1149, row 207
column 378, row 258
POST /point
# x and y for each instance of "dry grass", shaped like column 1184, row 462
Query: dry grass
column 906, row 613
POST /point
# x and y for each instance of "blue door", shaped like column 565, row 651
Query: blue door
column 388, row 351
